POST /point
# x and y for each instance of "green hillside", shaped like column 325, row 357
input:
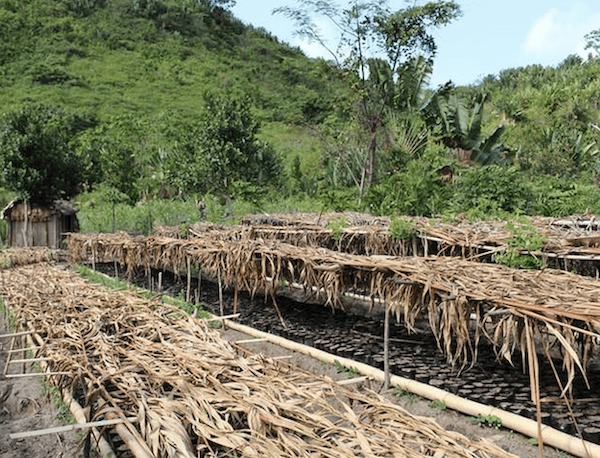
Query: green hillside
column 152, row 61
column 179, row 99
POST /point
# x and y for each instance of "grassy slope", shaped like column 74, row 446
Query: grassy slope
column 119, row 63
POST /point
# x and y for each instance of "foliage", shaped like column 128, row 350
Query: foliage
column 490, row 189
column 403, row 392
column 418, row 190
column 402, row 228
column 520, row 247
column 350, row 372
column 337, row 226
column 458, row 121
column 222, row 153
column 375, row 43
column 593, row 41
column 37, row 152
column 487, row 420
column 438, row 405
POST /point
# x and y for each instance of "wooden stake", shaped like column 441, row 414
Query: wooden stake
column 220, row 291
column 199, row 290
column 160, row 274
column 235, row 298
column 189, row 282
column 10, row 351
column 386, row 350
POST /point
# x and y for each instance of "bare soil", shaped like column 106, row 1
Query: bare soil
column 25, row 407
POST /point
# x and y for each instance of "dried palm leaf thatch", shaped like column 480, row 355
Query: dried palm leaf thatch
column 576, row 238
column 194, row 395
column 449, row 292
column 14, row 257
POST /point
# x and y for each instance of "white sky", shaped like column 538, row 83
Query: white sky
column 489, row 37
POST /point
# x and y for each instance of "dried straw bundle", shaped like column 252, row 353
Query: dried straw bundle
column 14, row 257
column 192, row 394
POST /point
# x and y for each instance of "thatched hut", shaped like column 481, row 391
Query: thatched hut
column 32, row 224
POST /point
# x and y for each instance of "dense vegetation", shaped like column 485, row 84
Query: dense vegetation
column 153, row 105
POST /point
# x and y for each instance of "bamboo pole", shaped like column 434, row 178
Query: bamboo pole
column 386, row 350
column 16, row 334
column 189, row 281
column 552, row 437
column 66, row 428
column 74, row 407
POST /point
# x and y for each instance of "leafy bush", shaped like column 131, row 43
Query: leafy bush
column 418, row 190
column 555, row 197
column 526, row 238
column 491, row 189
column 402, row 228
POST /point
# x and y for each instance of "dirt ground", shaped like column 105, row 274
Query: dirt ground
column 25, row 407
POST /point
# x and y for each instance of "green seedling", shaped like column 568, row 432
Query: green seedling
column 487, row 420
column 350, row 372
column 438, row 405
column 410, row 397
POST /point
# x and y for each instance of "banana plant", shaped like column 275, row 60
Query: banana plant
column 458, row 121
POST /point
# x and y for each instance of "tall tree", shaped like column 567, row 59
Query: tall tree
column 222, row 152
column 374, row 44
column 593, row 42
column 38, row 157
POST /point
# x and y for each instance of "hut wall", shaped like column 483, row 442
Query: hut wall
column 45, row 226
column 43, row 233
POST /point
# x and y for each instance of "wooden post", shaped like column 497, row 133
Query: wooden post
column 116, row 270
column 10, row 351
column 160, row 282
column 220, row 291
column 235, row 298
column 189, row 281
column 199, row 289
column 386, row 349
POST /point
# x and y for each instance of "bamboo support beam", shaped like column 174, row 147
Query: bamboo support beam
column 353, row 381
column 17, row 334
column 34, row 374
column 245, row 341
column 551, row 436
column 28, row 360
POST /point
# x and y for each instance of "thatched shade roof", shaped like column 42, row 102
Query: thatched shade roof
column 15, row 211
column 183, row 392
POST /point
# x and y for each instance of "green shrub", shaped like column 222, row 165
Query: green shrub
column 526, row 238
column 401, row 228
column 417, row 190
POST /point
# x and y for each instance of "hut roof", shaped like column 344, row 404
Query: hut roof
column 59, row 207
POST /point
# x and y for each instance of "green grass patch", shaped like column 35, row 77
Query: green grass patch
column 118, row 284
